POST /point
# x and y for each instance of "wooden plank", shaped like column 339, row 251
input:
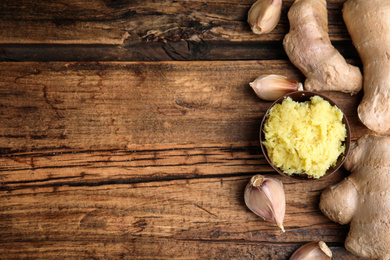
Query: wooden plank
column 149, row 163
column 159, row 51
column 114, row 105
column 191, row 219
column 119, row 22
column 134, row 165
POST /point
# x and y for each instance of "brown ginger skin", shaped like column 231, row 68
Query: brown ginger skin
column 368, row 23
column 309, row 48
column 363, row 198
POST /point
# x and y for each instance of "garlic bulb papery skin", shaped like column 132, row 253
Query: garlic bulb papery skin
column 271, row 87
column 265, row 197
column 313, row 250
column 264, row 15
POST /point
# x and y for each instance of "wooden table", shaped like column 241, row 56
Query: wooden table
column 128, row 130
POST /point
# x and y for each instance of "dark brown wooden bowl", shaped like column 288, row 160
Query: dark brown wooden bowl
column 302, row 96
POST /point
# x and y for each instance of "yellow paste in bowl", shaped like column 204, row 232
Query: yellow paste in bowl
column 304, row 137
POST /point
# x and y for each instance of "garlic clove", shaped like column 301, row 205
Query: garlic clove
column 313, row 250
column 265, row 197
column 271, row 87
column 264, row 15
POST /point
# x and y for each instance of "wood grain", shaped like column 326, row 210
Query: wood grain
column 143, row 220
column 115, row 105
column 104, row 30
column 117, row 22
column 128, row 130
column 145, row 160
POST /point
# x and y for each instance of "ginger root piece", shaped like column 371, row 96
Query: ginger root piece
column 363, row 198
column 368, row 23
column 309, row 48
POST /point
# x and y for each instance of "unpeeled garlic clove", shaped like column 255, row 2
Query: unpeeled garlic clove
column 264, row 15
column 265, row 197
column 271, row 87
column 313, row 250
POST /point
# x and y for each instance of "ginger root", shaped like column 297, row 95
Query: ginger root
column 363, row 198
column 368, row 23
column 309, row 48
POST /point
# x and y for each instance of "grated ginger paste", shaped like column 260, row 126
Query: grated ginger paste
column 304, row 137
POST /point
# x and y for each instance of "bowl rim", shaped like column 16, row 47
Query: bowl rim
column 305, row 94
